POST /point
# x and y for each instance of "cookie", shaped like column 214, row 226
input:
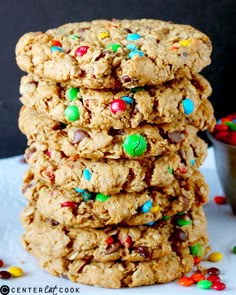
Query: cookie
column 124, row 108
column 82, row 208
column 110, row 54
column 110, row 176
column 121, row 252
column 144, row 141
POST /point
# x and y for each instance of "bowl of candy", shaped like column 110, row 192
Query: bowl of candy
column 223, row 139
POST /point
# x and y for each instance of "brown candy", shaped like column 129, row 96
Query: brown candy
column 79, row 135
column 5, row 275
column 143, row 251
column 175, row 137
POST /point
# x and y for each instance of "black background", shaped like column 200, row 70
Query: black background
column 217, row 18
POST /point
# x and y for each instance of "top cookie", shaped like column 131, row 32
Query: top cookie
column 110, row 54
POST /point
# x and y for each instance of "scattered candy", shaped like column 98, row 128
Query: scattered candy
column 80, row 190
column 82, row 50
column 180, row 235
column 213, row 271
column 131, row 47
column 87, row 174
column 56, row 49
column 234, row 249
column 185, row 281
column 183, row 222
column 113, row 47
column 170, row 170
column 143, row 251
column 166, row 217
column 103, row 35
column 126, row 79
column 225, row 129
column 72, row 113
column 1, row 263
column 70, row 204
column 127, row 99
column 219, row 286
column 79, row 135
column 136, row 52
column 188, row 106
column 196, row 250
column 125, row 240
column 150, row 223
column 196, row 260
column 175, row 136
column 56, row 43
column 146, row 206
column 204, row 284
column 135, row 145
column 101, row 197
column 215, row 256
column 197, row 277
column 220, row 200
column 192, row 162
column 72, row 93
column 117, row 106
column 182, row 168
column 213, row 278
column 74, row 37
column 133, row 37
column 5, row 275
column 185, row 42
column 16, row 271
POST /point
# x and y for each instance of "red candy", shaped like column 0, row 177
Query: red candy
column 56, row 43
column 196, row 260
column 70, row 204
column 219, row 286
column 220, row 200
column 185, row 281
column 1, row 263
column 117, row 105
column 110, row 240
column 82, row 50
column 214, row 278
column 225, row 130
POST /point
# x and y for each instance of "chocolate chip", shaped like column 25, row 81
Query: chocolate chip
column 112, row 248
column 59, row 126
column 115, row 132
column 54, row 222
column 185, row 201
column 128, row 30
column 79, row 135
column 101, row 55
column 179, row 235
column 143, row 251
column 126, row 78
column 175, row 137
column 152, row 92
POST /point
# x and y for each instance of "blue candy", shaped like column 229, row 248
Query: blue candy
column 132, row 37
column 135, row 52
column 150, row 223
column 87, row 174
column 146, row 206
column 80, row 190
column 131, row 47
column 56, row 48
column 192, row 162
column 127, row 99
column 188, row 106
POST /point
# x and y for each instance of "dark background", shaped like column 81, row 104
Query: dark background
column 217, row 18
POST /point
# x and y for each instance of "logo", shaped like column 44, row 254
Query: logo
column 4, row 290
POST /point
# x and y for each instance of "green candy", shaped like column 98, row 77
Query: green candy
column 72, row 113
column 72, row 93
column 170, row 170
column 113, row 47
column 101, row 197
column 136, row 89
column 166, row 217
column 183, row 222
column 135, row 145
column 234, row 249
column 74, row 36
column 196, row 250
column 231, row 125
column 204, row 284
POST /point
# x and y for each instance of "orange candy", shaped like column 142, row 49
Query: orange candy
column 186, row 281
column 197, row 277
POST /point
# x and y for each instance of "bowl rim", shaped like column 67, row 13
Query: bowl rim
column 216, row 141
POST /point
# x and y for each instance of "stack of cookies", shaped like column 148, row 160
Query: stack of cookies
column 111, row 113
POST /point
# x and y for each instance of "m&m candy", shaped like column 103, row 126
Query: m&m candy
column 135, row 145
column 225, row 129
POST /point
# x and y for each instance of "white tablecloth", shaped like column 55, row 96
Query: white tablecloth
column 221, row 228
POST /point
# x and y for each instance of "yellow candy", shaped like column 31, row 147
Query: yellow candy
column 215, row 256
column 155, row 209
column 185, row 42
column 16, row 271
column 103, row 35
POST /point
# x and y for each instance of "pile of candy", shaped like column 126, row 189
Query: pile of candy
column 13, row 271
column 225, row 129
